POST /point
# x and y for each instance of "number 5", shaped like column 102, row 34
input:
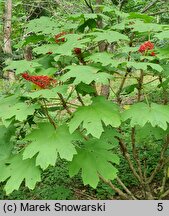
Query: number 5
column 160, row 207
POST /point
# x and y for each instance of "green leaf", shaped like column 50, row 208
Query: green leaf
column 84, row 89
column 22, row 66
column 129, row 89
column 104, row 58
column 48, row 142
column 163, row 52
column 85, row 74
column 5, row 141
column 72, row 41
column 48, row 93
column 144, row 66
column 19, row 110
column 44, row 49
column 110, row 136
column 43, row 25
column 140, row 26
column 141, row 113
column 17, row 171
column 93, row 116
column 144, row 17
column 147, row 132
column 94, row 159
column 162, row 35
column 33, row 39
column 109, row 36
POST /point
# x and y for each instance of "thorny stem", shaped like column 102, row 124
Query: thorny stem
column 80, row 99
column 64, row 104
column 140, row 85
column 125, row 188
column 112, row 186
column 121, row 87
column 135, row 153
column 160, row 163
column 127, row 157
column 47, row 114
column 89, row 5
column 164, row 180
column 164, row 91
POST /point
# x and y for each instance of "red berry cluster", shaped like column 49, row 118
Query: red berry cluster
column 147, row 46
column 58, row 39
column 41, row 81
column 78, row 51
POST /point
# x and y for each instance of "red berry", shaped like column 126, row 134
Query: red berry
column 152, row 54
column 77, row 51
column 49, row 53
column 146, row 46
column 41, row 81
column 58, row 39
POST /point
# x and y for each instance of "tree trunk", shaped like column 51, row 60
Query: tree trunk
column 7, row 27
column 28, row 53
column 7, row 35
column 105, row 89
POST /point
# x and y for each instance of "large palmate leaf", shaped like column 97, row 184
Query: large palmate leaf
column 141, row 113
column 144, row 66
column 140, row 26
column 16, row 170
column 48, row 142
column 94, row 159
column 93, row 116
column 144, row 17
column 104, row 58
column 162, row 35
column 22, row 66
column 48, row 93
column 164, row 52
column 85, row 74
column 44, row 49
column 43, row 25
column 72, row 41
column 20, row 110
column 6, row 144
column 109, row 36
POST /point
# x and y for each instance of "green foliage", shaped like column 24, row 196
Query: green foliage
column 59, row 140
column 141, row 113
column 22, row 66
column 95, row 159
column 85, row 74
column 72, row 119
column 6, row 143
column 109, row 36
column 43, row 25
column 16, row 170
column 93, row 116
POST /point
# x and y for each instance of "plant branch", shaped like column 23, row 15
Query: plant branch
column 164, row 180
column 47, row 114
column 127, row 157
column 125, row 188
column 158, row 12
column 140, row 85
column 135, row 153
column 64, row 104
column 166, row 193
column 89, row 5
column 147, row 7
column 160, row 163
column 121, row 87
column 117, row 190
column 80, row 99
